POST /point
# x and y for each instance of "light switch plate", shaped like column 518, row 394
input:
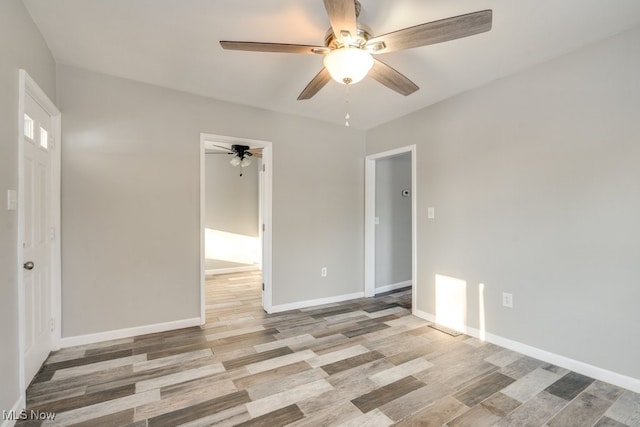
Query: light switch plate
column 507, row 299
column 431, row 213
column 12, row 200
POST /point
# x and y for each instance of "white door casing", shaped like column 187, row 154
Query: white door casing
column 265, row 190
column 38, row 228
column 369, row 221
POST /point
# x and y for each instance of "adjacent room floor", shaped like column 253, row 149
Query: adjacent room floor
column 366, row 362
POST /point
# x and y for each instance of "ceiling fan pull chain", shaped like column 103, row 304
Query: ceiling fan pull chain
column 346, row 102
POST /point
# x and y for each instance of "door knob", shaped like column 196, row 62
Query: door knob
column 28, row 265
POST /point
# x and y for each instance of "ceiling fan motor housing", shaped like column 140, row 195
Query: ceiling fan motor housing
column 363, row 36
column 241, row 151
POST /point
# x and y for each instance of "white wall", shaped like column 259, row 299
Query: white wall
column 393, row 233
column 534, row 180
column 130, row 201
column 21, row 46
column 231, row 201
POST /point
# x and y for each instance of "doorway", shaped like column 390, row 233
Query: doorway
column 38, row 206
column 390, row 222
column 234, row 247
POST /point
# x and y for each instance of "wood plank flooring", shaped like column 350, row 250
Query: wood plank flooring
column 366, row 362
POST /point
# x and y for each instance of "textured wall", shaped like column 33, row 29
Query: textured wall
column 534, row 179
column 393, row 233
column 231, row 201
column 130, row 201
column 21, row 46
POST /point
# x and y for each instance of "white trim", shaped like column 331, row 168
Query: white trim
column 369, row 220
column 583, row 368
column 203, row 313
column 315, row 302
column 267, row 219
column 128, row 332
column 392, row 287
column 28, row 86
column 424, row 315
column 266, row 196
column 16, row 409
column 370, row 228
column 262, row 167
column 231, row 270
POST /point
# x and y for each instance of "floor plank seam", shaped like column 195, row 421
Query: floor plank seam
column 362, row 362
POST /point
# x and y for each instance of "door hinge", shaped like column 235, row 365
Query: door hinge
column 263, row 287
column 263, row 228
column 264, row 167
column 52, row 233
column 52, row 324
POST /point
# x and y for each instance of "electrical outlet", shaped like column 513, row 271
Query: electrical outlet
column 507, row 299
column 323, row 272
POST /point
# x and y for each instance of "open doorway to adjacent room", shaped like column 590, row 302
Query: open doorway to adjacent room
column 390, row 222
column 235, row 222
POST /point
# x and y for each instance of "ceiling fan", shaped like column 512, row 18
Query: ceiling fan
column 349, row 46
column 241, row 153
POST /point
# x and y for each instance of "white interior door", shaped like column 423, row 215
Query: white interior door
column 37, row 278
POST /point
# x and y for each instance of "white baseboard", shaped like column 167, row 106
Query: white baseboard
column 314, row 302
column 583, row 368
column 128, row 332
column 392, row 287
column 16, row 409
column 424, row 315
column 231, row 270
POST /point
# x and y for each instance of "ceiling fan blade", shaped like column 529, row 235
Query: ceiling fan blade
column 272, row 47
column 342, row 15
column 227, row 150
column 256, row 152
column 433, row 32
column 392, row 79
column 318, row 82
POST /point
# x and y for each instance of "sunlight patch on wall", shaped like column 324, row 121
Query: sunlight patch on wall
column 231, row 247
column 451, row 302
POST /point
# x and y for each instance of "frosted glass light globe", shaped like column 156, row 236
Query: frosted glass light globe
column 348, row 65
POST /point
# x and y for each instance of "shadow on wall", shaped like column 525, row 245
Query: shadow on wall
column 451, row 304
column 223, row 246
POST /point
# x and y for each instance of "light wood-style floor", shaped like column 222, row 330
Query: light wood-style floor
column 366, row 362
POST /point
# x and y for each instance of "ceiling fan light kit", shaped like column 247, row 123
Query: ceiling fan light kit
column 241, row 153
column 348, row 65
column 349, row 46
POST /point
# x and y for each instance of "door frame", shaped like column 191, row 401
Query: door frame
column 370, row 227
column 265, row 196
column 28, row 87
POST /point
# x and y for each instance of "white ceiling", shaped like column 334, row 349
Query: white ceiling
column 174, row 43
